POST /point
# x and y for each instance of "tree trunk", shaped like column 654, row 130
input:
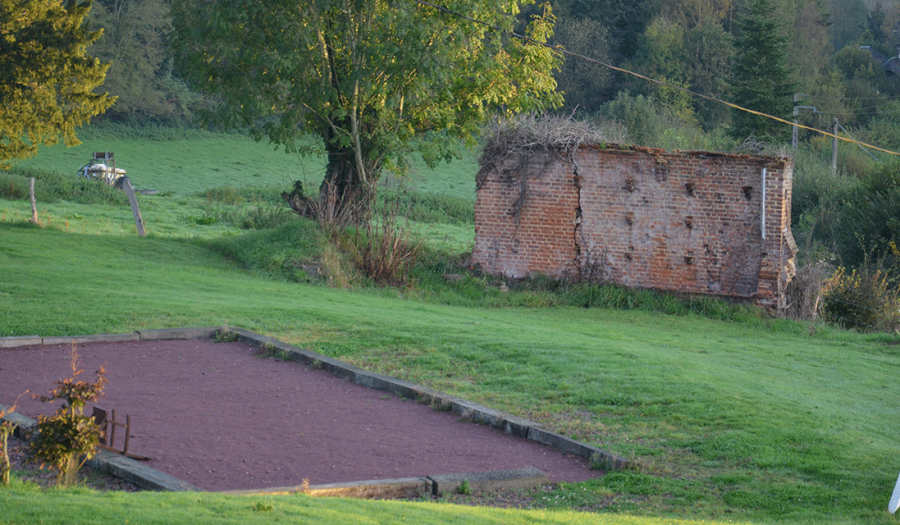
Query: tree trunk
column 5, row 465
column 344, row 197
column 342, row 181
column 68, row 474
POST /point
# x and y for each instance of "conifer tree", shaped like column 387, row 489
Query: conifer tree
column 46, row 78
column 761, row 78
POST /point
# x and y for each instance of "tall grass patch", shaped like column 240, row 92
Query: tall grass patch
column 52, row 186
column 248, row 209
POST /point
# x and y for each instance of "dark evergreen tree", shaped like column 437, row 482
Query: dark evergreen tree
column 761, row 78
column 624, row 19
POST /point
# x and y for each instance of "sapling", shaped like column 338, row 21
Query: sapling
column 66, row 440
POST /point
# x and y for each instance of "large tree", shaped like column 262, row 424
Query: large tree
column 761, row 78
column 47, row 80
column 373, row 79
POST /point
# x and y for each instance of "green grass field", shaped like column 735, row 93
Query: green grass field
column 762, row 421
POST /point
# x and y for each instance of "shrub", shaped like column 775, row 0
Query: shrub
column 869, row 217
column 383, row 249
column 68, row 438
column 865, row 300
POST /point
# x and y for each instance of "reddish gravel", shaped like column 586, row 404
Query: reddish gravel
column 218, row 416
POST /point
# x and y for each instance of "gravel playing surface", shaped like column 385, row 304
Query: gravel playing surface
column 221, row 417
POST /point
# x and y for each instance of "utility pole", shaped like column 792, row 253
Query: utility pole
column 834, row 142
column 796, row 112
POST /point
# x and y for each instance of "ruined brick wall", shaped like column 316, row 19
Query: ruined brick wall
column 646, row 218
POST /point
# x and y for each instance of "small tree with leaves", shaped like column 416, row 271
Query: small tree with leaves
column 68, row 438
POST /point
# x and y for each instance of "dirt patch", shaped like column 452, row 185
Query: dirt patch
column 222, row 418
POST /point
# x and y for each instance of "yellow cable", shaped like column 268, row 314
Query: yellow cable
column 660, row 82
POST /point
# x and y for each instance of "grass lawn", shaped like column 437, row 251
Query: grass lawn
column 762, row 421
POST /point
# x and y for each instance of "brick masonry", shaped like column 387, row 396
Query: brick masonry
column 681, row 221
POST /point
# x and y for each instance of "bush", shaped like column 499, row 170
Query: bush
column 68, row 438
column 865, row 300
column 383, row 249
column 869, row 217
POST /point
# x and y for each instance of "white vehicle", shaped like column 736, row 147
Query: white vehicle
column 102, row 167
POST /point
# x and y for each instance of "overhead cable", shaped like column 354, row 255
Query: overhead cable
column 652, row 80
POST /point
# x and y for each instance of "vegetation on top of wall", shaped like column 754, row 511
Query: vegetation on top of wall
column 524, row 133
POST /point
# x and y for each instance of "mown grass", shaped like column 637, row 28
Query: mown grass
column 82, row 506
column 727, row 415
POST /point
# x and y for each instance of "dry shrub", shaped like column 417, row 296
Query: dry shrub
column 806, row 291
column 867, row 300
column 753, row 146
column 384, row 249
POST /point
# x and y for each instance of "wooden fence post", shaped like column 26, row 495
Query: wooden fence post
column 132, row 199
column 34, row 215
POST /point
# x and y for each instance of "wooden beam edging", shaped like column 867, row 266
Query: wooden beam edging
column 151, row 479
column 138, row 335
column 478, row 413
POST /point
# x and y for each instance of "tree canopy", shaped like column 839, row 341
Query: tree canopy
column 374, row 79
column 583, row 83
column 46, row 78
column 140, row 72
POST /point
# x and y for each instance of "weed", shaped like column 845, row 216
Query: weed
column 269, row 351
column 226, row 336
column 262, row 507
column 464, row 487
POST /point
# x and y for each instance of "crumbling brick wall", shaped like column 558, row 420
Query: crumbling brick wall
column 646, row 218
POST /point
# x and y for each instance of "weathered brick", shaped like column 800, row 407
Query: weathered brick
column 627, row 194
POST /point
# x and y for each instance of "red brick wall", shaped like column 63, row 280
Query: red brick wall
column 646, row 218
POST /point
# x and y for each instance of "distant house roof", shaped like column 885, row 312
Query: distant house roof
column 890, row 65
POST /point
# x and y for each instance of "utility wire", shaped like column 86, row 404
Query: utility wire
column 652, row 80
column 858, row 144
